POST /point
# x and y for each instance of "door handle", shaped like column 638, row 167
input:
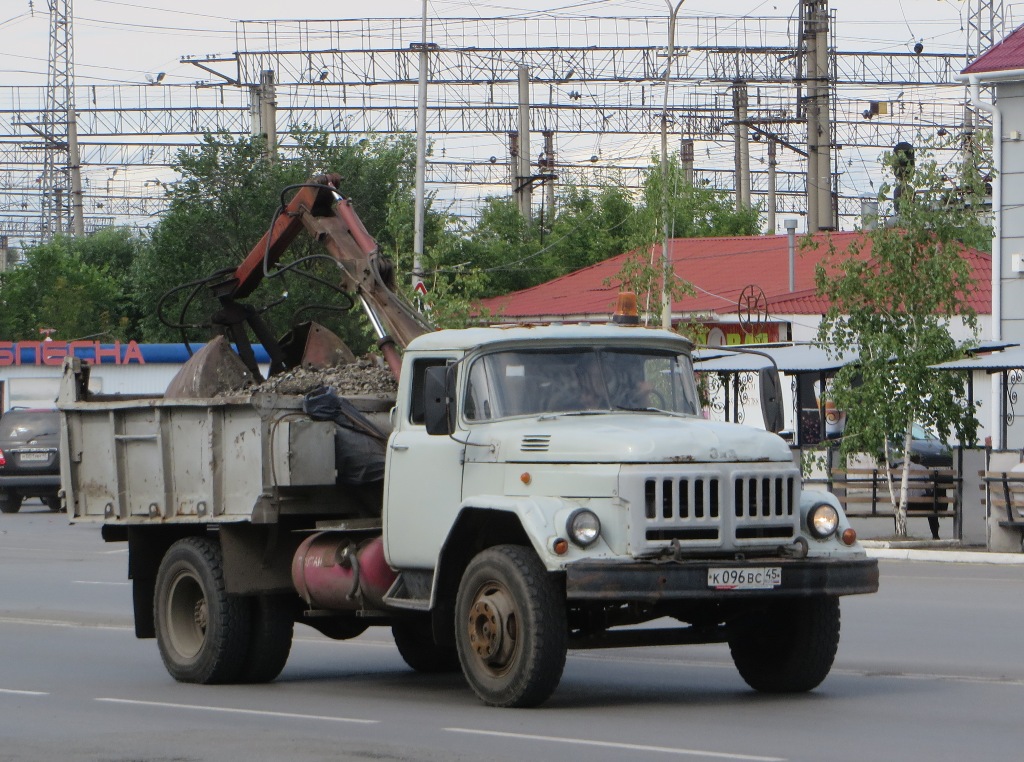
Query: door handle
column 399, row 447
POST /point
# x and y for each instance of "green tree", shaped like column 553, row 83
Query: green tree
column 72, row 285
column 694, row 211
column 893, row 306
column 225, row 201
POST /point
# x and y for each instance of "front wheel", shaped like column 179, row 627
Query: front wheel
column 510, row 628
column 203, row 633
column 788, row 646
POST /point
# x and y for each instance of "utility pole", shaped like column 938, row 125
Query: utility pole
column 547, row 172
column 686, row 157
column 773, row 163
column 667, row 273
column 814, row 18
column 421, row 157
column 523, row 181
column 61, row 180
column 263, row 111
column 741, row 143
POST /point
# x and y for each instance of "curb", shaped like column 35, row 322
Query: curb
column 947, row 556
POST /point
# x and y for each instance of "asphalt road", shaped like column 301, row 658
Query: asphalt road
column 928, row 669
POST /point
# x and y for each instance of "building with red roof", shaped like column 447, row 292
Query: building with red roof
column 752, row 270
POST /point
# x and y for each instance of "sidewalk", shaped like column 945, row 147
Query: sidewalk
column 948, row 551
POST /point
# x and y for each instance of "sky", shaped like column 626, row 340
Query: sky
column 118, row 41
column 125, row 42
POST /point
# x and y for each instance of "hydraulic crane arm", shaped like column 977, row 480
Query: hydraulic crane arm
column 320, row 210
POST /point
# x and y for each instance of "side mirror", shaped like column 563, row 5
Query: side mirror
column 771, row 399
column 439, row 400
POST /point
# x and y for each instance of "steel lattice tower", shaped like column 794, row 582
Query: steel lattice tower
column 56, row 179
column 985, row 26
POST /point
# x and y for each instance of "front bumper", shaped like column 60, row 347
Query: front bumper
column 654, row 582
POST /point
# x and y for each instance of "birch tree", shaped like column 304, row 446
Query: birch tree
column 893, row 299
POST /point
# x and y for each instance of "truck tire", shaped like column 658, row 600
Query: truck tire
column 415, row 642
column 52, row 502
column 789, row 646
column 270, row 638
column 203, row 633
column 9, row 503
column 510, row 628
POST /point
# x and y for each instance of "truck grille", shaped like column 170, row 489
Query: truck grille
column 731, row 508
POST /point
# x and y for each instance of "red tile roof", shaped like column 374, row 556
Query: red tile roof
column 1004, row 56
column 719, row 268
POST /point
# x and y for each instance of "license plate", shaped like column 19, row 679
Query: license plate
column 34, row 457
column 745, row 578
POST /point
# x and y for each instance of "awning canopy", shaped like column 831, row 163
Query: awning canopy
column 791, row 359
column 1008, row 359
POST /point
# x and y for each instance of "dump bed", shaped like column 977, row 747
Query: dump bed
column 250, row 457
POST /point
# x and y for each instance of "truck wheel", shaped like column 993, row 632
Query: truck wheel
column 510, row 628
column 52, row 502
column 415, row 642
column 9, row 503
column 788, row 647
column 270, row 638
column 203, row 632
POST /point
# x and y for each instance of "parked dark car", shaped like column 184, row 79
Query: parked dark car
column 29, row 458
column 926, row 449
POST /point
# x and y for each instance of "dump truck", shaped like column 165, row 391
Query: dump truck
column 526, row 490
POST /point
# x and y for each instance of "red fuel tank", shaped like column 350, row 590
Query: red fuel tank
column 330, row 572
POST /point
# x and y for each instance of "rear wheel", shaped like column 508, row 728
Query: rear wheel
column 52, row 502
column 789, row 646
column 203, row 633
column 415, row 641
column 510, row 627
column 9, row 503
column 270, row 638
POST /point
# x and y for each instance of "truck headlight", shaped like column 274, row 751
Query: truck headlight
column 583, row 527
column 822, row 521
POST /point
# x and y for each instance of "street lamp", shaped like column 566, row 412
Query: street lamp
column 666, row 261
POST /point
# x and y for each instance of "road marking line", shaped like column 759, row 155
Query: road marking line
column 65, row 624
column 12, row 692
column 614, row 745
column 96, row 582
column 230, row 710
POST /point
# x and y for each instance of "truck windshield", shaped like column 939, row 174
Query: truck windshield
column 538, row 381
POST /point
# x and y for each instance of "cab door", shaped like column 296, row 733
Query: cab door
column 424, row 479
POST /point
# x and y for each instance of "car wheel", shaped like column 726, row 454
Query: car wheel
column 203, row 633
column 9, row 503
column 52, row 502
column 510, row 627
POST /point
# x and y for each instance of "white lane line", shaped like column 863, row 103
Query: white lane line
column 63, row 623
column 613, row 745
column 230, row 710
column 96, row 582
column 12, row 692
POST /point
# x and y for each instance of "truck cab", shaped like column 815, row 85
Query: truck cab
column 584, row 447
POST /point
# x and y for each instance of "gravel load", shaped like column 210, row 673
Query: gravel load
column 366, row 375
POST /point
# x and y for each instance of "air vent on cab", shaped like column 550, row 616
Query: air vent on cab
column 535, row 443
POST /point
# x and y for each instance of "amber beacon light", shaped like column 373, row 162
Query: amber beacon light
column 626, row 311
